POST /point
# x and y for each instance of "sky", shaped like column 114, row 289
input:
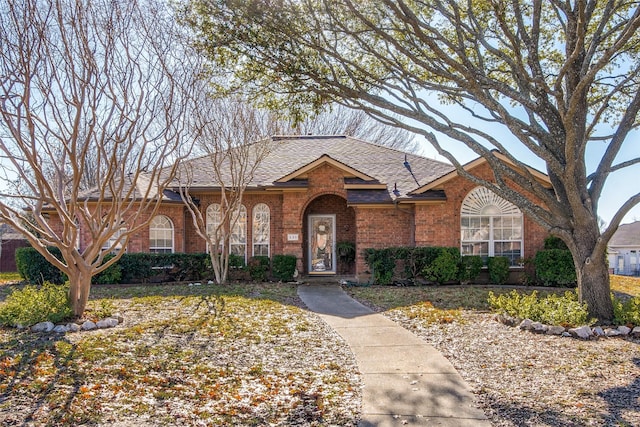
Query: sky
column 620, row 185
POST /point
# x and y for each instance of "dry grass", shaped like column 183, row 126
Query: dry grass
column 237, row 355
column 521, row 379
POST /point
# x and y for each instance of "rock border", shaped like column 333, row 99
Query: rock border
column 582, row 332
column 83, row 325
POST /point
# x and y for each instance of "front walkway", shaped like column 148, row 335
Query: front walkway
column 406, row 381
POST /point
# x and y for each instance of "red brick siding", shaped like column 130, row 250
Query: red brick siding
column 439, row 224
column 379, row 228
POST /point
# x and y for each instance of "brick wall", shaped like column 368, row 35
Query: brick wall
column 439, row 224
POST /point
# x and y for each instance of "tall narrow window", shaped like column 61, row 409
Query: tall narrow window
column 490, row 226
column 213, row 218
column 238, row 238
column 261, row 229
column 161, row 235
column 113, row 244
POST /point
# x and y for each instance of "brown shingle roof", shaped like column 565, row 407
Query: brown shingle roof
column 289, row 154
column 626, row 235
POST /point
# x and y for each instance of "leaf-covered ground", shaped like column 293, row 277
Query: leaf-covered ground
column 237, row 355
column 520, row 378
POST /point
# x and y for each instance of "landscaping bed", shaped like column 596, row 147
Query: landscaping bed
column 184, row 355
column 520, row 378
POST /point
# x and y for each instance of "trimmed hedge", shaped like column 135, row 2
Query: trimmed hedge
column 283, row 267
column 498, row 268
column 35, row 269
column 554, row 267
column 431, row 263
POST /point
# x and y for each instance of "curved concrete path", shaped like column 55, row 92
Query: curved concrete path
column 406, row 381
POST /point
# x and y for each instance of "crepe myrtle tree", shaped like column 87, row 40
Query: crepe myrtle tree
column 232, row 135
column 557, row 77
column 93, row 97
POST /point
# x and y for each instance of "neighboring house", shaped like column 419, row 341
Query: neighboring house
column 10, row 240
column 312, row 192
column 624, row 250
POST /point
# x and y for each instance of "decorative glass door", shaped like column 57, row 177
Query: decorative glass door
column 322, row 237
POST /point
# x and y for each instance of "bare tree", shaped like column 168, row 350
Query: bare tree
column 554, row 76
column 337, row 119
column 90, row 92
column 230, row 132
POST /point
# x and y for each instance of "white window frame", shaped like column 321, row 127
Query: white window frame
column 238, row 236
column 261, row 228
column 112, row 240
column 213, row 218
column 481, row 215
column 153, row 228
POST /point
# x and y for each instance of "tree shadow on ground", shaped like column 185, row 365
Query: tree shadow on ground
column 38, row 378
column 623, row 399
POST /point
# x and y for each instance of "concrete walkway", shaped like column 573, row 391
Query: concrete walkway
column 406, row 381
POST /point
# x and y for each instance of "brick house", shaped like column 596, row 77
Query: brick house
column 312, row 192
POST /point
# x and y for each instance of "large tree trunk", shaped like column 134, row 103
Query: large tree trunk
column 592, row 272
column 79, row 287
column 594, row 288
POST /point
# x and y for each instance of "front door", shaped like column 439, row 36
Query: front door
column 322, row 246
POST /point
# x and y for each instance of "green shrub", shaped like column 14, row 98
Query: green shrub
column 444, row 268
column 418, row 259
column 382, row 262
column 236, row 262
column 563, row 310
column 136, row 267
column 626, row 312
column 35, row 269
column 284, row 266
column 34, row 304
column 187, row 266
column 470, row 268
column 554, row 242
column 498, row 268
column 554, row 267
column 112, row 274
column 258, row 268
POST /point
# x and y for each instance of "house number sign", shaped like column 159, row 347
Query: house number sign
column 293, row 237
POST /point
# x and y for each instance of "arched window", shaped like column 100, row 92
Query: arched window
column 238, row 238
column 161, row 235
column 490, row 226
column 261, row 229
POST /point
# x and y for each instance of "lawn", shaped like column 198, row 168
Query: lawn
column 185, row 355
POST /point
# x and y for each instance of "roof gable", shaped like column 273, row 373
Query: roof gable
column 325, row 159
column 438, row 183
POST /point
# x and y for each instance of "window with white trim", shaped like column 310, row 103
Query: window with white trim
column 213, row 219
column 261, row 229
column 238, row 237
column 490, row 226
column 161, row 235
column 111, row 243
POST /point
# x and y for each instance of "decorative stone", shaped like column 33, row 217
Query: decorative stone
column 507, row 320
column 624, row 330
column 583, row 332
column 118, row 317
column 526, row 324
column 61, row 329
column 107, row 323
column 598, row 331
column 42, row 327
column 210, row 282
column 556, row 330
column 538, row 328
column 612, row 333
column 73, row 327
column 636, row 332
column 88, row 326
column 566, row 334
